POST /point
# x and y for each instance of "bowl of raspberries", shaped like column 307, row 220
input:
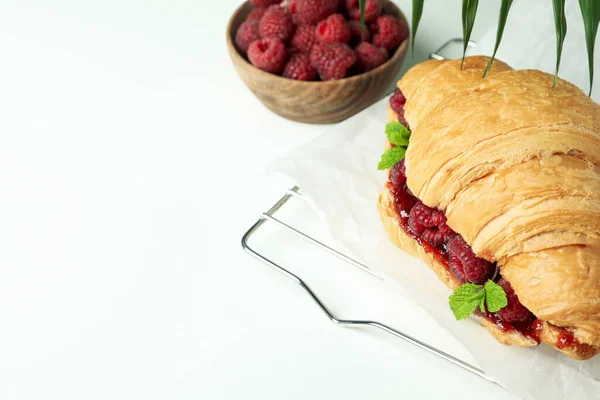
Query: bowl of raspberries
column 312, row 60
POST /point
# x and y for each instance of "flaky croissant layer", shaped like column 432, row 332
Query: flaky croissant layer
column 515, row 166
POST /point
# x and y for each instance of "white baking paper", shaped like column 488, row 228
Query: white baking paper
column 338, row 172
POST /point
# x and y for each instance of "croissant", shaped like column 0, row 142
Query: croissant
column 501, row 180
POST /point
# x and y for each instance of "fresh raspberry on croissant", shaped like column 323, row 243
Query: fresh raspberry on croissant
column 398, row 174
column 514, row 311
column 465, row 265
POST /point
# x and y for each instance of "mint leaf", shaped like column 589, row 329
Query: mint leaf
column 482, row 305
column 397, row 133
column 468, row 297
column 465, row 300
column 391, row 157
column 495, row 296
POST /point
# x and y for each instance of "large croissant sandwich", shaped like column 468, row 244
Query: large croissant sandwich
column 499, row 193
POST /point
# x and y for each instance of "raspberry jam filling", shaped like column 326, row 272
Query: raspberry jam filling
column 428, row 227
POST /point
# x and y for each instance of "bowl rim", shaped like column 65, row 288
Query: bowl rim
column 400, row 52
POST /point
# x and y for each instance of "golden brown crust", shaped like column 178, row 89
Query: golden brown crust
column 560, row 284
column 540, row 184
column 425, row 94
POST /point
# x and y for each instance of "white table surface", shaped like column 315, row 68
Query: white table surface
column 131, row 159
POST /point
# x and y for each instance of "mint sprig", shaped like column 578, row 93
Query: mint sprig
column 466, row 298
column 398, row 135
column 391, row 157
column 495, row 297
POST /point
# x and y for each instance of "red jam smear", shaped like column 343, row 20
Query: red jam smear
column 565, row 339
column 581, row 348
column 531, row 329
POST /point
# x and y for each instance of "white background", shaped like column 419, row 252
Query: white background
column 130, row 166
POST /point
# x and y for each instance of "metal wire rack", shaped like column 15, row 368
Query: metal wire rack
column 269, row 217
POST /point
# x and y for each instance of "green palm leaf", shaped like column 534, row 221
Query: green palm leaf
column 469, row 11
column 590, row 10
column 416, row 18
column 361, row 5
column 560, row 21
column 504, row 9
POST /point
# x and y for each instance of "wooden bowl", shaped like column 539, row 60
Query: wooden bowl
column 316, row 102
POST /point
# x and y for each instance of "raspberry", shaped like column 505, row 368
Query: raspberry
column 276, row 23
column 397, row 102
column 423, row 217
column 401, row 118
column 263, row 3
column 437, row 237
column 369, row 57
column 403, row 200
column 313, row 11
column 332, row 60
column 246, row 34
column 299, row 68
column 514, row 310
column 398, row 174
column 426, row 222
column 464, row 263
column 446, row 232
column 372, row 10
column 268, row 54
column 303, row 39
column 356, row 34
column 333, row 29
column 256, row 14
column 389, row 32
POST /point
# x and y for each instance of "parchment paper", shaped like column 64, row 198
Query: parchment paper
column 338, row 172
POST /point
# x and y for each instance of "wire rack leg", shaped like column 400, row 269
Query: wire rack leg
column 332, row 317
